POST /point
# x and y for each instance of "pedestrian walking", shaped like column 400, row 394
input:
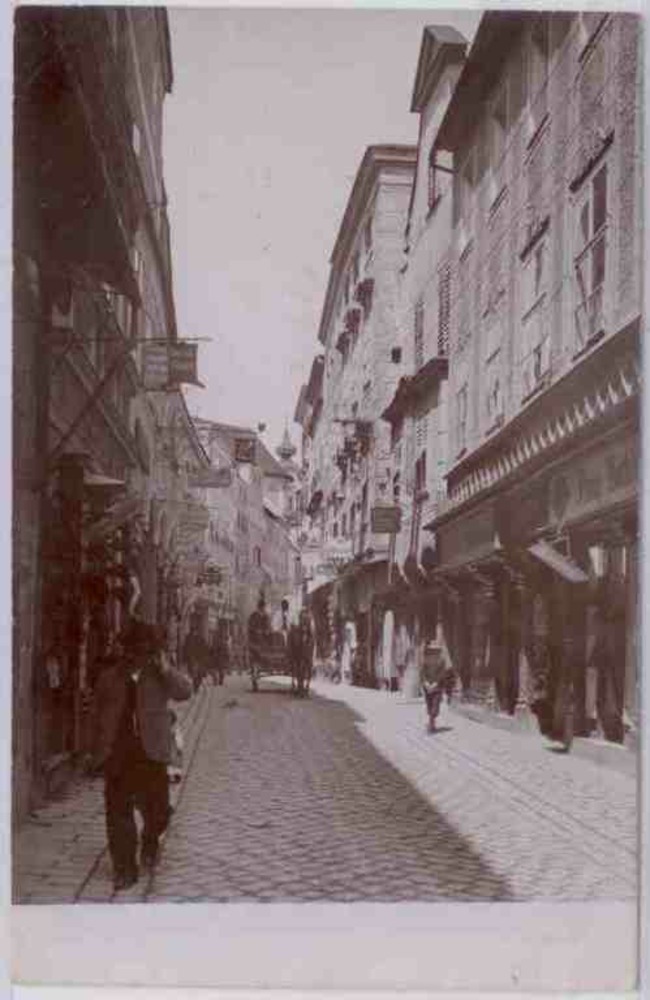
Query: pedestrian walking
column 133, row 744
column 219, row 654
column 300, row 649
column 436, row 680
column 259, row 632
column 196, row 656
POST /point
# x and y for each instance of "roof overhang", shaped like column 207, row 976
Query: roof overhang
column 441, row 45
column 495, row 36
column 376, row 160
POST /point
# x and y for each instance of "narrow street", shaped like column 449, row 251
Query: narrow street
column 347, row 797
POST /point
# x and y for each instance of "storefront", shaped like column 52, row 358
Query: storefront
column 572, row 534
column 469, row 582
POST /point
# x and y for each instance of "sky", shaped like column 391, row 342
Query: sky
column 270, row 113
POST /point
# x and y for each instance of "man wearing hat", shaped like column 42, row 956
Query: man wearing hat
column 259, row 630
column 133, row 744
column 435, row 679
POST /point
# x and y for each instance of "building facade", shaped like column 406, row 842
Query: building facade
column 349, row 446
column 94, row 332
column 536, row 553
column 249, row 535
column 418, row 412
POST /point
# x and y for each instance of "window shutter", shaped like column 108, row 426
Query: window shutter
column 444, row 308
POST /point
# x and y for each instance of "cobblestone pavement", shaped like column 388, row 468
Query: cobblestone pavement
column 346, row 797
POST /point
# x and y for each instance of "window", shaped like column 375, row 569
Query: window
column 421, row 431
column 461, row 418
column 464, row 301
column 535, row 342
column 538, row 59
column 439, row 173
column 499, row 127
column 257, row 556
column 420, row 485
column 464, row 180
column 444, row 309
column 590, row 261
column 396, row 355
column 494, row 395
column 418, row 334
column 367, row 235
column 136, row 140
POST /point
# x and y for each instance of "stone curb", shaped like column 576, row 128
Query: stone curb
column 621, row 758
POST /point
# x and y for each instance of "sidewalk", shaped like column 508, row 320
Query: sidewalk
column 60, row 854
column 545, row 819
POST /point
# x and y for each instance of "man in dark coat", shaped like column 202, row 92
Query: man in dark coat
column 301, row 654
column 133, row 744
column 259, row 631
column 196, row 656
column 219, row 653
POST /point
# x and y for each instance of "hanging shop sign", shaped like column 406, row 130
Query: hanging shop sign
column 165, row 364
column 606, row 476
column 183, row 363
column 211, row 478
column 193, row 521
column 155, row 366
column 386, row 519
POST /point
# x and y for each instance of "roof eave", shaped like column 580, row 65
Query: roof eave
column 426, row 76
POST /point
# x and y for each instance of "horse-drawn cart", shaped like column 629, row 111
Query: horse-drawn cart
column 270, row 660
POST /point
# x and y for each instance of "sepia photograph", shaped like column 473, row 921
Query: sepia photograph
column 326, row 477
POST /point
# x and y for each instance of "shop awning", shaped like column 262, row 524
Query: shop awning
column 564, row 567
column 96, row 481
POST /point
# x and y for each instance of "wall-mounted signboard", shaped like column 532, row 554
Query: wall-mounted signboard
column 386, row 519
column 211, row 478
